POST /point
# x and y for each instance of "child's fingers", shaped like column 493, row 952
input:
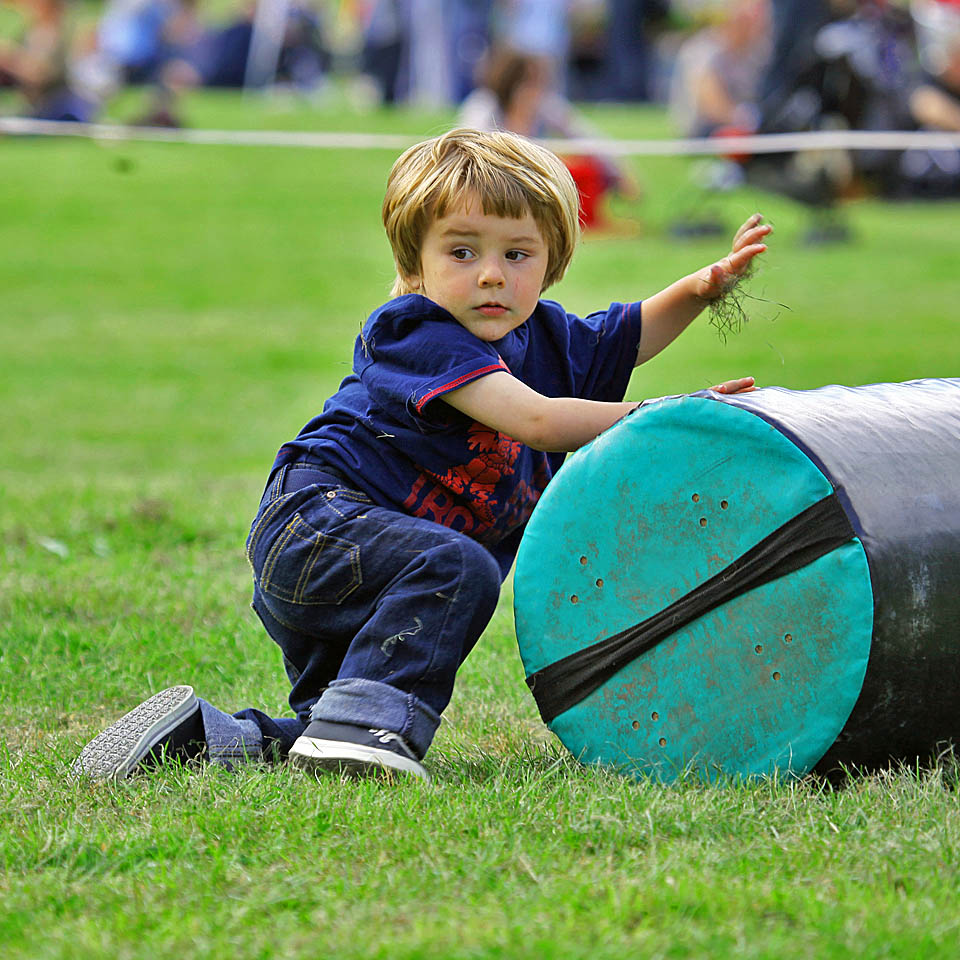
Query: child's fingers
column 739, row 259
column 748, row 224
column 724, row 272
column 739, row 385
column 752, row 235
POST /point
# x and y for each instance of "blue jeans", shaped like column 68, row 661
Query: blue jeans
column 373, row 610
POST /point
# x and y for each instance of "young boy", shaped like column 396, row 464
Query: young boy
column 389, row 523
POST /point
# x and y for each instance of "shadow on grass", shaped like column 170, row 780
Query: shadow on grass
column 29, row 776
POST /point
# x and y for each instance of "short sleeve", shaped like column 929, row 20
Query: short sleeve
column 603, row 350
column 410, row 356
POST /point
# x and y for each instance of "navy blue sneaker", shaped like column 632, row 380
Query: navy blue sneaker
column 358, row 751
column 166, row 726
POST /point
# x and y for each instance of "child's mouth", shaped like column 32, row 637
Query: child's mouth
column 492, row 309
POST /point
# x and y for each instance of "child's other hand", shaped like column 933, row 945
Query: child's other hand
column 740, row 385
column 719, row 277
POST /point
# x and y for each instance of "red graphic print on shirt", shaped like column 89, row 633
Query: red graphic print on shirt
column 463, row 496
column 475, row 481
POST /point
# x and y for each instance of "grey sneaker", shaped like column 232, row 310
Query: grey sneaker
column 358, row 751
column 167, row 725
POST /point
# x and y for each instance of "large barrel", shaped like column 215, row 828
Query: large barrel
column 749, row 584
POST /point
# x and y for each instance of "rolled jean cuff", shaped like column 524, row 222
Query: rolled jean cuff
column 369, row 703
column 229, row 741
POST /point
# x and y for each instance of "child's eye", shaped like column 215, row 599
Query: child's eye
column 461, row 253
column 517, row 255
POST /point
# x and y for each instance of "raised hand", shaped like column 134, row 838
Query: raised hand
column 719, row 277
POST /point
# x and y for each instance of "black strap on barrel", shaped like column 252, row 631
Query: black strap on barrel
column 811, row 534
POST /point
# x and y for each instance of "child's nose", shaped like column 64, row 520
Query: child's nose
column 491, row 273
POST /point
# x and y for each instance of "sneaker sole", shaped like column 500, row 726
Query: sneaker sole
column 354, row 759
column 115, row 752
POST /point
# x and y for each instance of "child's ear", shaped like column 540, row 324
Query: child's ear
column 413, row 281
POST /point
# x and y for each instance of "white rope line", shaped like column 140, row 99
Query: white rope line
column 21, row 126
column 763, row 143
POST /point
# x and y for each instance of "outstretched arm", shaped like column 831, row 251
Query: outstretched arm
column 554, row 424
column 502, row 402
column 668, row 313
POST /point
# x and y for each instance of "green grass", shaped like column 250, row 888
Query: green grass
column 170, row 316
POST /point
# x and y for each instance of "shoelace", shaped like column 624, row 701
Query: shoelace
column 388, row 736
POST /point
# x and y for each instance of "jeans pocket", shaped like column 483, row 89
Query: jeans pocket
column 263, row 524
column 305, row 566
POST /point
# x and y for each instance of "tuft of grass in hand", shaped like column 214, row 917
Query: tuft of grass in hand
column 726, row 313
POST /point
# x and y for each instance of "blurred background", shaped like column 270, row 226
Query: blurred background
column 719, row 67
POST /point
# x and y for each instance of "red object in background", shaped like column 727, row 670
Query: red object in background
column 592, row 183
column 732, row 131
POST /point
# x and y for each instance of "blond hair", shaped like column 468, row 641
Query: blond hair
column 511, row 175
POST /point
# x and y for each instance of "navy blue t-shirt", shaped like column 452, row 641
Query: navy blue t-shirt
column 388, row 432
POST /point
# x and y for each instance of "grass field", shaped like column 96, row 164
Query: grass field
column 170, row 315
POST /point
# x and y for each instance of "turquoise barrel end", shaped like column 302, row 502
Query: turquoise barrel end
column 665, row 500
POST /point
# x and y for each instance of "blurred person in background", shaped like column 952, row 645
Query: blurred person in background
column 136, row 38
column 794, row 26
column 427, row 68
column 38, row 66
column 629, row 54
column 612, row 55
column 852, row 71
column 518, row 92
column 221, row 54
column 164, row 44
column 717, row 74
column 384, row 47
column 133, row 43
column 540, row 28
column 713, row 92
column 934, row 101
column 424, row 51
column 469, row 31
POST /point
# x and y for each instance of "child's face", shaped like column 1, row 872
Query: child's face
column 486, row 270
